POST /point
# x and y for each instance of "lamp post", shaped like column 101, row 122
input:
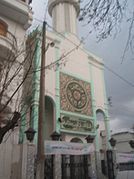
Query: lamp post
column 90, row 139
column 40, row 142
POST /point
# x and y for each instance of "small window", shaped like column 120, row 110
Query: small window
column 3, row 28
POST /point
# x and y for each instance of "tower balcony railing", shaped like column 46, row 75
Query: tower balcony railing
column 19, row 11
column 8, row 44
column 9, row 36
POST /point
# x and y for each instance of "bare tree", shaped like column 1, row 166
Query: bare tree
column 104, row 17
column 13, row 75
column 17, row 73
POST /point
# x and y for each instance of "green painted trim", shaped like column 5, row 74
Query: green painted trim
column 92, row 94
column 106, row 114
column 97, row 146
column 77, row 132
column 57, row 125
column 76, row 115
column 36, row 88
column 73, row 75
column 34, row 101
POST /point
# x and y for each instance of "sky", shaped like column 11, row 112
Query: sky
column 121, row 111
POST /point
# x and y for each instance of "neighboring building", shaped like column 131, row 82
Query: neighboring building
column 124, row 153
column 123, row 137
column 74, row 84
column 15, row 19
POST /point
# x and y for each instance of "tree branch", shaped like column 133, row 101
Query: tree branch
column 10, row 125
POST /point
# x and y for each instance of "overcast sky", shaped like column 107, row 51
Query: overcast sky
column 122, row 94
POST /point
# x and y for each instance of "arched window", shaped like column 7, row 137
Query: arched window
column 100, row 115
column 3, row 28
column 76, row 140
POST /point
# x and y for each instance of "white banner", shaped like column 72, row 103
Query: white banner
column 67, row 148
column 124, row 157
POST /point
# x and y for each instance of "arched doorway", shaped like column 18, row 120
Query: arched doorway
column 49, row 118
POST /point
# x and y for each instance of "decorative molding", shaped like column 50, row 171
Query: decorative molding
column 75, row 95
column 53, row 3
column 68, row 123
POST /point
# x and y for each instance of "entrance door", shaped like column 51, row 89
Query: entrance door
column 76, row 167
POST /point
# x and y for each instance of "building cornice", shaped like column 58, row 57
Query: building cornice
column 53, row 3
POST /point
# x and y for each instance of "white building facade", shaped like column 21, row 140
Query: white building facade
column 74, row 85
column 124, row 153
column 15, row 19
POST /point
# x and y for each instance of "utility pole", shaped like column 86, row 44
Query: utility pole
column 40, row 142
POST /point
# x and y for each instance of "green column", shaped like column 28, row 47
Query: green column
column 36, row 86
column 106, row 114
column 57, row 91
column 97, row 145
column 32, row 101
column 94, row 109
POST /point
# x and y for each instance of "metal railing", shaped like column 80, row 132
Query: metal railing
column 10, row 37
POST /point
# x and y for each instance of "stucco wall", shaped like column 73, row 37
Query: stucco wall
column 77, row 63
column 17, row 161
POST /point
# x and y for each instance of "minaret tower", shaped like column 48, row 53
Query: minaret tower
column 64, row 15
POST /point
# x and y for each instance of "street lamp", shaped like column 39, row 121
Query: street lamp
column 131, row 142
column 55, row 136
column 30, row 132
column 112, row 142
column 90, row 138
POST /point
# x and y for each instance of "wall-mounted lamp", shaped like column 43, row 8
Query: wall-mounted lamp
column 90, row 138
column 55, row 136
column 102, row 151
column 30, row 134
column 52, row 44
column 112, row 142
column 97, row 126
column 59, row 120
column 131, row 143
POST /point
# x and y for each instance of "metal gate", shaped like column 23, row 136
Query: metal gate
column 48, row 167
column 72, row 167
column 76, row 167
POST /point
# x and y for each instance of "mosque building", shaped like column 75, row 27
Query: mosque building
column 74, row 91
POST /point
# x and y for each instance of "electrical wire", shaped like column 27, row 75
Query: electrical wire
column 108, row 68
column 119, row 76
column 45, row 15
column 105, row 66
